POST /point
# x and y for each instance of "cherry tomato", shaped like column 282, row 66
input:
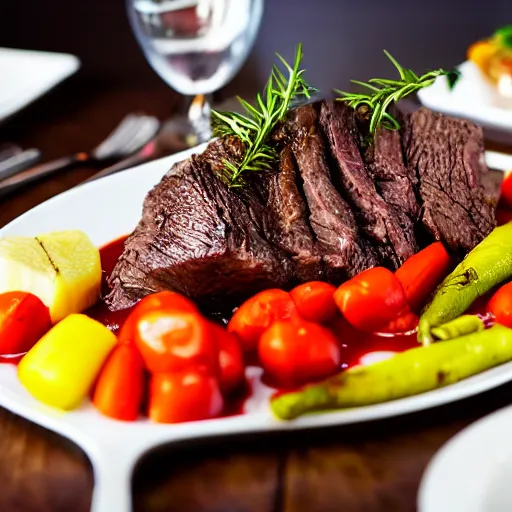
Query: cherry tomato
column 404, row 323
column 191, row 395
column 257, row 313
column 231, row 364
column 503, row 215
column 372, row 299
column 295, row 352
column 120, row 386
column 157, row 301
column 506, row 189
column 23, row 321
column 422, row 273
column 315, row 301
column 172, row 340
column 500, row 305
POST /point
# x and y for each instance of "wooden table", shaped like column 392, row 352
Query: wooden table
column 374, row 467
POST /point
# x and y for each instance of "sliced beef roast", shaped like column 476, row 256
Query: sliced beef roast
column 393, row 181
column 344, row 251
column 392, row 178
column 378, row 220
column 276, row 206
column 324, row 214
column 446, row 155
column 287, row 222
column 196, row 237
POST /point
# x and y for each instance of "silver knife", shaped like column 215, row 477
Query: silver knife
column 19, row 162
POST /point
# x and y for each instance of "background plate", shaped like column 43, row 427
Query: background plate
column 473, row 471
column 472, row 98
column 26, row 75
column 106, row 209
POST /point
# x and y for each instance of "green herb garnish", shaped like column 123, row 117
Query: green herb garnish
column 503, row 36
column 255, row 128
column 384, row 92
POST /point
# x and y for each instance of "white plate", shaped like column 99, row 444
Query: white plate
column 106, row 209
column 473, row 471
column 472, row 98
column 25, row 75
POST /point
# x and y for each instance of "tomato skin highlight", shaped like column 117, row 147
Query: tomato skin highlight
column 500, row 305
column 372, row 299
column 120, row 387
column 315, row 301
column 231, row 362
column 191, row 395
column 161, row 301
column 24, row 319
column 295, row 352
column 421, row 274
column 252, row 318
column 171, row 341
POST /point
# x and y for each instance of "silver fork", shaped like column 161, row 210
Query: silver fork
column 131, row 134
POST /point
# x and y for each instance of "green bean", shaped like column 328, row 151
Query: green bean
column 412, row 372
column 465, row 324
column 487, row 265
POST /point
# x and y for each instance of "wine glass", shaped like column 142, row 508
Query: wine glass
column 196, row 46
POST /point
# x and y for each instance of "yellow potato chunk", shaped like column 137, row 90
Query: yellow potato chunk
column 63, row 269
column 78, row 268
column 24, row 267
column 62, row 366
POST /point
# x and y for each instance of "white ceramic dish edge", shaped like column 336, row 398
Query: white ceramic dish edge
column 472, row 471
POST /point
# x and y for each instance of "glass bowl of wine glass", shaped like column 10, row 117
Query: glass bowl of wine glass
column 196, row 46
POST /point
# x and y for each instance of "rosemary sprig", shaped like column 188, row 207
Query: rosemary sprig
column 384, row 92
column 254, row 128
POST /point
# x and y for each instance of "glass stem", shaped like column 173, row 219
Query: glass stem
column 199, row 116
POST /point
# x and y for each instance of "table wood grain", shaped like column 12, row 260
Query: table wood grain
column 374, row 467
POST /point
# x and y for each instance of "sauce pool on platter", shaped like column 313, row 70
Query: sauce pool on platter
column 109, row 255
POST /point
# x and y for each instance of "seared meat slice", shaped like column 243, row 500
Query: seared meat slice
column 343, row 250
column 393, row 181
column 277, row 206
column 446, row 156
column 287, row 223
column 196, row 237
column 376, row 218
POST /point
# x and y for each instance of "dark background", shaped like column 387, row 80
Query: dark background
column 343, row 39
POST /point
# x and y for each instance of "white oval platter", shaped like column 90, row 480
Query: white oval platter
column 107, row 209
